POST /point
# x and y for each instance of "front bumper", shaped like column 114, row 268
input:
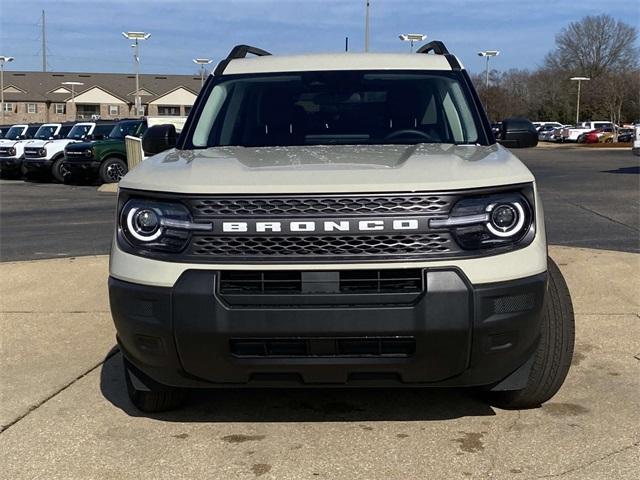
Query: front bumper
column 41, row 164
column 462, row 334
column 10, row 163
column 81, row 167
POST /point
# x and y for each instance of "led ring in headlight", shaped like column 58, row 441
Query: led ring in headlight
column 505, row 219
column 144, row 224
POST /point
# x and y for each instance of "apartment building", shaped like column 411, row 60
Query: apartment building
column 31, row 97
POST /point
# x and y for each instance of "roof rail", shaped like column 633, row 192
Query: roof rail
column 436, row 47
column 439, row 48
column 239, row 51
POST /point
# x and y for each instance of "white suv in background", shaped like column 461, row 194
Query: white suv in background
column 45, row 156
column 571, row 134
column 12, row 147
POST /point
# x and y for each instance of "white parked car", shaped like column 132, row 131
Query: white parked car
column 571, row 134
column 636, row 140
column 12, row 147
column 45, row 156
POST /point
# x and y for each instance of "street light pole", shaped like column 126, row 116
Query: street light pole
column 579, row 79
column 412, row 37
column 73, row 96
column 3, row 60
column 202, row 62
column 488, row 54
column 366, row 26
column 136, row 37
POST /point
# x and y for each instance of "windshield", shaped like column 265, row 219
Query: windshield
column 45, row 132
column 14, row 133
column 337, row 107
column 123, row 129
column 78, row 132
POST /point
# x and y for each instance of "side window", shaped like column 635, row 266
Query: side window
column 102, row 130
column 209, row 113
column 31, row 131
column 451, row 113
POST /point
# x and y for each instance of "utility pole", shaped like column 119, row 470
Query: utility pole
column 487, row 54
column 203, row 62
column 3, row 60
column 579, row 79
column 44, row 45
column 366, row 27
column 136, row 36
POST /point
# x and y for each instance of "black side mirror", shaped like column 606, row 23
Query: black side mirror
column 159, row 138
column 518, row 132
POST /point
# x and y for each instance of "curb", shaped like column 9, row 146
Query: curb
column 108, row 188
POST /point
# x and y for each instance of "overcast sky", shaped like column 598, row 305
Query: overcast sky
column 85, row 35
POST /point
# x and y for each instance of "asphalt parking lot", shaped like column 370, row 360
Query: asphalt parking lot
column 64, row 411
column 590, row 199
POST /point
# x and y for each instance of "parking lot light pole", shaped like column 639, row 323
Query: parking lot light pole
column 73, row 96
column 136, row 37
column 412, row 37
column 579, row 79
column 487, row 54
column 3, row 60
column 202, row 62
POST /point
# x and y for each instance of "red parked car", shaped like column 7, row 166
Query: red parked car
column 594, row 135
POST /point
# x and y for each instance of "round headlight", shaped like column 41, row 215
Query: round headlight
column 42, row 152
column 144, row 224
column 12, row 151
column 505, row 219
column 88, row 152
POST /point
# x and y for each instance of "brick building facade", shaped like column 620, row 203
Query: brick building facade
column 38, row 97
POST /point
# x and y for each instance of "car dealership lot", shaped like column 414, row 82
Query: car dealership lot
column 590, row 198
column 65, row 412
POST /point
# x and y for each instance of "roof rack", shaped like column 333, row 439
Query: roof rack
column 438, row 47
column 239, row 51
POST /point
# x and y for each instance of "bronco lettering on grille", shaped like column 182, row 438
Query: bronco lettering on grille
column 314, row 226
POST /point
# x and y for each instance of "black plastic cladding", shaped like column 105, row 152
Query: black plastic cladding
column 323, row 249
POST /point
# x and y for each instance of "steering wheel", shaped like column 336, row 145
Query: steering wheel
column 408, row 131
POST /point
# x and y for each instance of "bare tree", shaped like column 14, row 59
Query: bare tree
column 595, row 45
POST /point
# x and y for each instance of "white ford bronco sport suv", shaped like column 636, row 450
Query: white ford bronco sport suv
column 336, row 220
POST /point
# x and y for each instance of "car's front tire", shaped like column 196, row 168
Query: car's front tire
column 57, row 170
column 148, row 396
column 554, row 353
column 112, row 170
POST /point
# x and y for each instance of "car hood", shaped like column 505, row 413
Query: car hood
column 40, row 143
column 12, row 143
column 79, row 146
column 326, row 169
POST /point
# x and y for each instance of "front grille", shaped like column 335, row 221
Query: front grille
column 242, row 282
column 355, row 205
column 32, row 152
column 323, row 347
column 356, row 245
column 4, row 152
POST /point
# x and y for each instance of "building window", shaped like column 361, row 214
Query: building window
column 167, row 111
column 32, row 108
column 114, row 110
column 87, row 111
column 60, row 108
column 8, row 107
column 187, row 109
